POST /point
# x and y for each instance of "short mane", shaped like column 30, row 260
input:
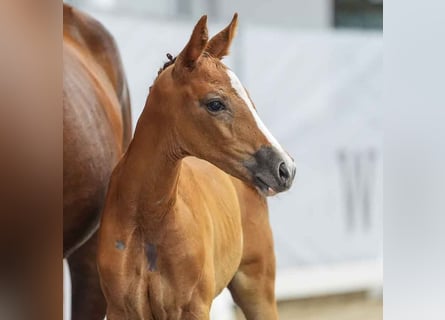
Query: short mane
column 170, row 61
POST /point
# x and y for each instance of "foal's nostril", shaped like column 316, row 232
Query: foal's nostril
column 283, row 172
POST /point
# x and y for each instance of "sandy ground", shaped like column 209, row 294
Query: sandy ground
column 348, row 307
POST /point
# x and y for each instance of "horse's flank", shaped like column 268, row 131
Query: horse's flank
column 97, row 122
column 96, row 131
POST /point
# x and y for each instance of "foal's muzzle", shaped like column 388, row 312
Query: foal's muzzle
column 272, row 171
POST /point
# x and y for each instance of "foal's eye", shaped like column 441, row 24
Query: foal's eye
column 215, row 106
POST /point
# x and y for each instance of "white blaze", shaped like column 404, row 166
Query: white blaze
column 236, row 84
column 239, row 88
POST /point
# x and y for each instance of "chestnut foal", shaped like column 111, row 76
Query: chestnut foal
column 186, row 212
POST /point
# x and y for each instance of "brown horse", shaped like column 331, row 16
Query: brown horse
column 186, row 214
column 96, row 131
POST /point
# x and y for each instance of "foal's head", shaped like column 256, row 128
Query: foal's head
column 212, row 117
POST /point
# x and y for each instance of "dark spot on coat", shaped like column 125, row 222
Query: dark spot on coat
column 120, row 245
column 150, row 252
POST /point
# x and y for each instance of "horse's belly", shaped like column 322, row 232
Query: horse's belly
column 87, row 168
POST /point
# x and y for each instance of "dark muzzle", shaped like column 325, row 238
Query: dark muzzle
column 272, row 171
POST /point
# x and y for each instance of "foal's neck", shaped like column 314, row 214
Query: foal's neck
column 151, row 166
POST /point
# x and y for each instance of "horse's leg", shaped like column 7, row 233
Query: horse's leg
column 88, row 302
column 252, row 289
column 253, row 286
column 114, row 315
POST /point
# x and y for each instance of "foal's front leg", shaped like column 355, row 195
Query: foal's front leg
column 252, row 289
column 253, row 286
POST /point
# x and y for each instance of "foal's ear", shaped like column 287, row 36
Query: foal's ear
column 219, row 45
column 194, row 48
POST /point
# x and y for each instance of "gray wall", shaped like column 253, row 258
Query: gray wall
column 313, row 14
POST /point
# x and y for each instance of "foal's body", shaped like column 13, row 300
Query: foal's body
column 201, row 237
column 175, row 229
